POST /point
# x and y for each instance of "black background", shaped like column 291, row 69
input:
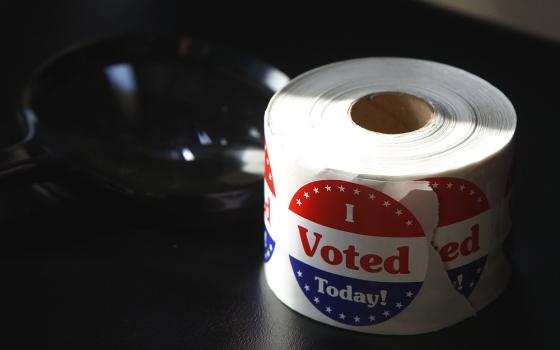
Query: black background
column 73, row 277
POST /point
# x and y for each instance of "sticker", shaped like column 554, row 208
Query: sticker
column 464, row 232
column 269, row 195
column 358, row 255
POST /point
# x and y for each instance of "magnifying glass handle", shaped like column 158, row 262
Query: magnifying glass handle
column 24, row 164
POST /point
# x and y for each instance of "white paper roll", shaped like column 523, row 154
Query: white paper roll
column 386, row 194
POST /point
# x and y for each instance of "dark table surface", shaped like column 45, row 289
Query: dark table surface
column 74, row 275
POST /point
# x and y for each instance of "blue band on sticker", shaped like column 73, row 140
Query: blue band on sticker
column 269, row 245
column 466, row 277
column 353, row 301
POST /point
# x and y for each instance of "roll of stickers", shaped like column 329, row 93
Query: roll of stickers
column 387, row 194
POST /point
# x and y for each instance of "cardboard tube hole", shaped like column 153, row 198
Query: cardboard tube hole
column 391, row 112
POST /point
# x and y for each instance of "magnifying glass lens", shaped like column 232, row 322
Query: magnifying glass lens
column 155, row 128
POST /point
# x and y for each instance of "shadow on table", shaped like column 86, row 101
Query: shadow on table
column 502, row 322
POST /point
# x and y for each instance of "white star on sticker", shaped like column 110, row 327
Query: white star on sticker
column 409, row 294
column 471, row 192
column 398, row 212
column 306, row 195
column 449, row 185
column 356, row 191
column 306, row 287
column 267, row 161
column 371, row 196
column 316, row 300
column 356, row 319
column 398, row 305
column 298, row 202
column 371, row 318
column 328, row 309
column 471, row 284
column 461, row 188
column 342, row 316
column 270, row 176
column 315, row 189
column 341, row 188
column 386, row 203
column 299, row 273
column 435, row 185
column 328, row 188
column 270, row 247
column 408, row 222
column 386, row 313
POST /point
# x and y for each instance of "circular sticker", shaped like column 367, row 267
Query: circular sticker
column 464, row 232
column 269, row 196
column 358, row 255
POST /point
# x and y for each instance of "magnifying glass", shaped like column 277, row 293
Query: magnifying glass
column 172, row 122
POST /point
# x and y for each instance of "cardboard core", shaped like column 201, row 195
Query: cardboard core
column 391, row 112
